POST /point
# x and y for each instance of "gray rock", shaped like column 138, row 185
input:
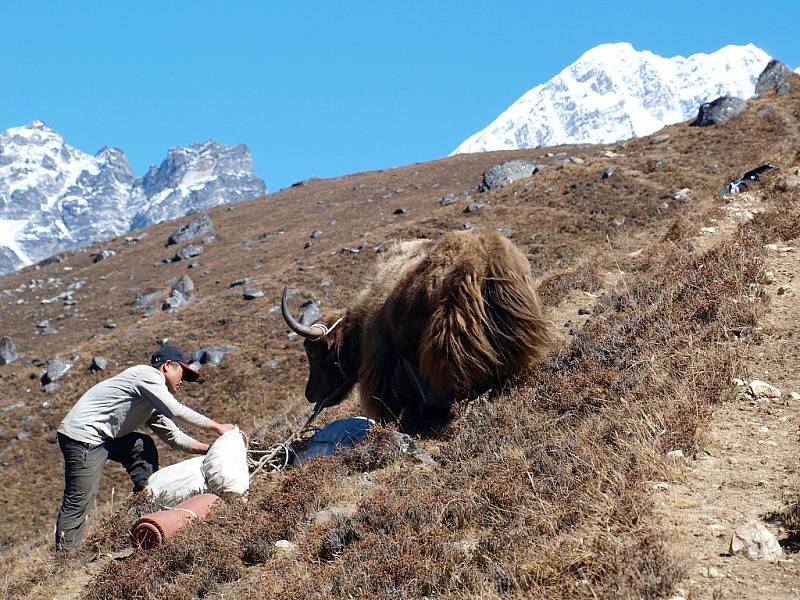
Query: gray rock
column 447, row 200
column 719, row 111
column 577, row 160
column 199, row 227
column 98, row 364
column 399, row 211
column 659, row 139
column 315, row 234
column 109, row 324
column 756, row 542
column 467, row 226
column 56, row 369
column 410, row 449
column 351, row 250
column 772, row 77
column 610, row 170
column 175, row 300
column 473, row 207
column 505, row 173
column 631, row 173
column 506, row 231
column 147, row 300
column 252, row 294
column 24, row 435
column 188, row 252
column 185, row 286
column 102, row 254
column 682, row 195
column 311, row 312
column 761, row 389
column 238, row 282
column 211, row 356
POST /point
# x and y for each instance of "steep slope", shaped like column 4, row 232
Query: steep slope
column 614, row 92
column 541, row 490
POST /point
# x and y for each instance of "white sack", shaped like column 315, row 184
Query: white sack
column 179, row 481
column 225, row 465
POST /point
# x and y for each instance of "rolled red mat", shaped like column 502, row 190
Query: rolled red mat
column 151, row 530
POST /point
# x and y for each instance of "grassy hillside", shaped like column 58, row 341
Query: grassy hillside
column 540, row 489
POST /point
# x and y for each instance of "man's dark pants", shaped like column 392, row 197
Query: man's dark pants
column 83, row 467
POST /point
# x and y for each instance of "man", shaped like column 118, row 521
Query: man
column 102, row 425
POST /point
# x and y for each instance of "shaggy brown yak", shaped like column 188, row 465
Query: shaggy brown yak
column 440, row 321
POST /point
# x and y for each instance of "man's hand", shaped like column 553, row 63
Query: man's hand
column 221, row 428
column 200, row 448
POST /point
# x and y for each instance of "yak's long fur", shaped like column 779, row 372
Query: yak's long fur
column 463, row 310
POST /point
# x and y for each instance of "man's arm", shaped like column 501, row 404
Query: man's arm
column 154, row 390
column 170, row 433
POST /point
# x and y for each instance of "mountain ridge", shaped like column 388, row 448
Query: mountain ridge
column 55, row 197
column 615, row 92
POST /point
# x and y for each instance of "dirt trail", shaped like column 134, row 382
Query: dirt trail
column 748, row 468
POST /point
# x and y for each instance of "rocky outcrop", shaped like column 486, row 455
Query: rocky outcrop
column 505, row 173
column 773, row 77
column 718, row 111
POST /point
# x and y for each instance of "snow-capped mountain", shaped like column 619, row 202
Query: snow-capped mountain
column 54, row 197
column 614, row 92
column 201, row 176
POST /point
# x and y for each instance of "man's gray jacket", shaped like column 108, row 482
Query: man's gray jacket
column 126, row 402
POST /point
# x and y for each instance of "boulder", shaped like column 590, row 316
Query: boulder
column 718, row 111
column 311, row 312
column 98, row 364
column 473, row 207
column 756, row 542
column 682, row 194
column 188, row 252
column 175, row 300
column 238, row 282
column 610, row 170
column 56, row 369
column 772, row 77
column 761, row 389
column 184, row 285
column 148, row 299
column 252, row 294
column 505, row 173
column 102, row 254
column 8, row 352
column 210, row 356
column 447, row 200
column 199, row 227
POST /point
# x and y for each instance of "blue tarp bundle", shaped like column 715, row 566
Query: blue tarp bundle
column 336, row 436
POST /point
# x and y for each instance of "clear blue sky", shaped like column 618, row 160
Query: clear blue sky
column 326, row 88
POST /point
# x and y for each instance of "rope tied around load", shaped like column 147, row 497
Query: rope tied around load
column 277, row 457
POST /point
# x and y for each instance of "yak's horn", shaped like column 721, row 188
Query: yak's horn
column 314, row 332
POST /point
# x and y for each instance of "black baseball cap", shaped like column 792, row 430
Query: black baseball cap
column 174, row 354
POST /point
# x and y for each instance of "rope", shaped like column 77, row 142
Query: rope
column 278, row 456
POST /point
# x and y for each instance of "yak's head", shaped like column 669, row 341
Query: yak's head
column 332, row 372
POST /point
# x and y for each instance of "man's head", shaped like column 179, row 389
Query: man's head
column 172, row 362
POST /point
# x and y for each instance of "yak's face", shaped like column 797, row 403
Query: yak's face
column 325, row 373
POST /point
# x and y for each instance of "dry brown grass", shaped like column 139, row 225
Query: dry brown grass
column 540, row 490
column 555, row 288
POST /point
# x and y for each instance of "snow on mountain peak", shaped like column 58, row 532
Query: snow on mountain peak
column 614, row 92
column 54, row 197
